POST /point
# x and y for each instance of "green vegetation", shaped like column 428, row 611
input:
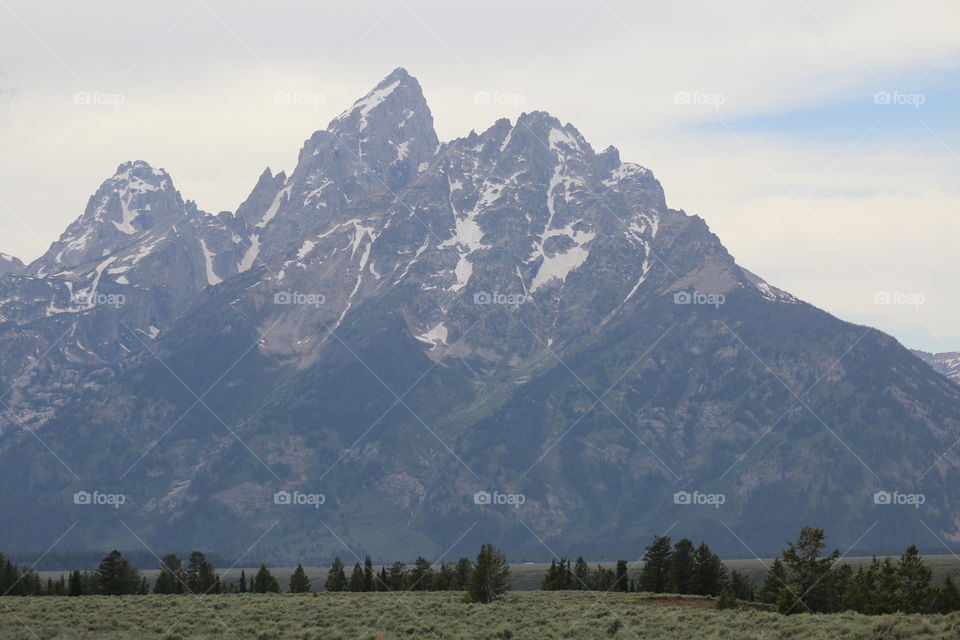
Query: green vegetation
column 681, row 588
column 390, row 616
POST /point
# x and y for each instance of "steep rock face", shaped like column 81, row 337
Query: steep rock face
column 9, row 264
column 399, row 324
column 120, row 274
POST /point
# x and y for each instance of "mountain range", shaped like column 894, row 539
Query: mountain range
column 947, row 363
column 508, row 336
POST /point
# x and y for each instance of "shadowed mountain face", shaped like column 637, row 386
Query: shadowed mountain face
column 508, row 336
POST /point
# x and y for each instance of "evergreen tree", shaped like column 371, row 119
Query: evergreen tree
column 775, row 581
column 741, row 586
column 602, row 579
column 549, row 582
column 947, row 597
column 421, row 578
column 807, row 570
column 299, row 582
column 621, row 581
column 655, row 575
column 381, row 581
column 9, row 578
column 838, row 583
column 490, row 576
column 336, row 577
column 201, row 577
column 915, row 578
column 116, row 576
column 855, row 595
column 264, row 582
column 397, row 577
column 368, row 574
column 680, row 575
column 445, row 577
column 75, row 584
column 356, row 578
column 883, row 596
column 581, row 574
column 463, row 571
column 709, row 574
column 243, row 582
column 171, row 576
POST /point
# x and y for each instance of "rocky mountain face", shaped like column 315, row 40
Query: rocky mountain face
column 9, row 264
column 420, row 330
column 947, row 363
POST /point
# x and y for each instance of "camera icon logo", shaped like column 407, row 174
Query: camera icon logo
column 482, row 97
column 282, row 97
column 282, row 297
column 682, row 497
column 682, row 97
column 482, row 497
column 482, row 297
column 82, row 497
column 882, row 97
column 682, row 297
column 882, row 297
column 882, row 497
column 282, row 497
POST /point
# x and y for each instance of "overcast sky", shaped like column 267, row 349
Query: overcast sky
column 819, row 140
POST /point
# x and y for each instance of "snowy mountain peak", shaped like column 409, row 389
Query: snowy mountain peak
column 390, row 129
column 136, row 198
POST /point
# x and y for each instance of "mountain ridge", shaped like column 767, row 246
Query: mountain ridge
column 400, row 323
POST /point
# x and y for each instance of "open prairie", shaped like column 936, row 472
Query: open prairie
column 389, row 616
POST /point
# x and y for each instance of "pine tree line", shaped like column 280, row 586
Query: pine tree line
column 804, row 579
column 681, row 568
column 482, row 580
column 801, row 579
column 423, row 576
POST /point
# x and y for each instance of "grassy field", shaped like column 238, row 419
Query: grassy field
column 386, row 616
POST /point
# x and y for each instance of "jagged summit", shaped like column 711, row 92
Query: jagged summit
column 390, row 128
column 136, row 198
column 9, row 264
